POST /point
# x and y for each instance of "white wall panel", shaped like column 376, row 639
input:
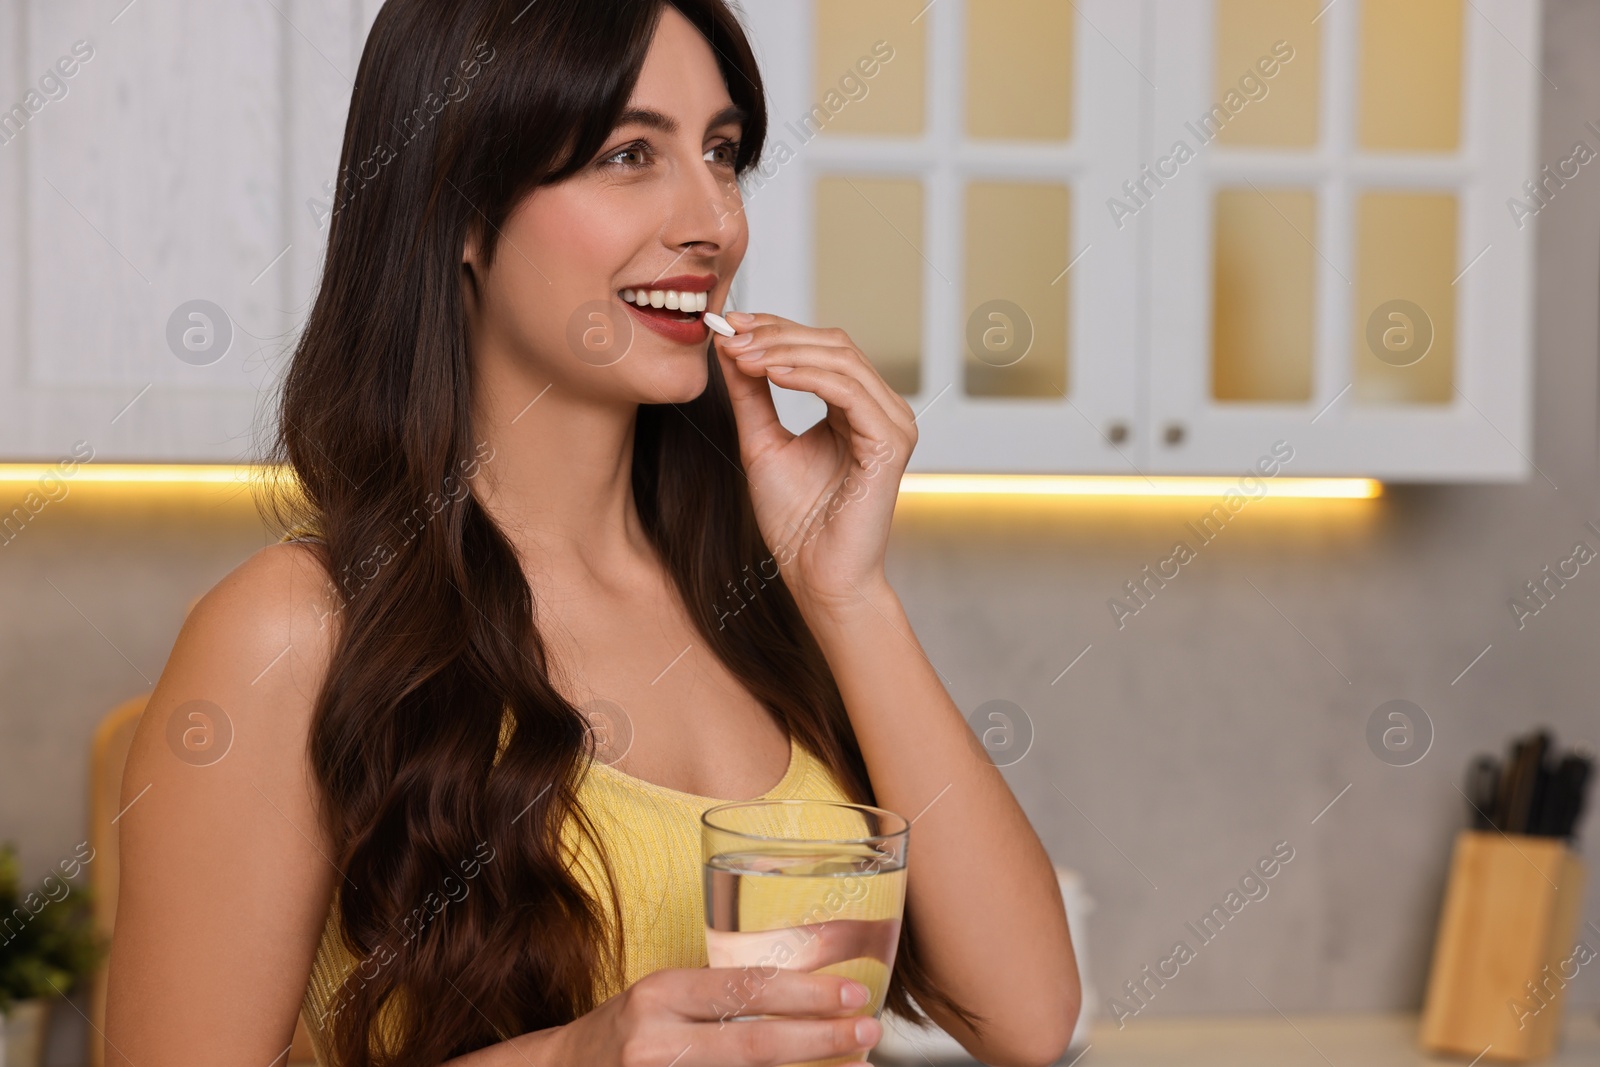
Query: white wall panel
column 177, row 166
column 320, row 63
column 12, row 206
column 155, row 181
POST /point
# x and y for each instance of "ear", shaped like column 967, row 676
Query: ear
column 471, row 248
column 471, row 271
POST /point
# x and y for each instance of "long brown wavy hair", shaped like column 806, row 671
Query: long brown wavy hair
column 460, row 109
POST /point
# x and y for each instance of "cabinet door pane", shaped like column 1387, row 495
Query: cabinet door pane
column 1016, row 302
column 1263, row 295
column 868, row 68
column 1267, row 73
column 1019, row 69
column 1405, row 301
column 872, row 228
column 1411, row 74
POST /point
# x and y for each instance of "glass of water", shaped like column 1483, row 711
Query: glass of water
column 807, row 885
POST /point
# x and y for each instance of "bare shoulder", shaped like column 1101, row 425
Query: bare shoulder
column 257, row 647
column 280, row 592
column 258, row 643
column 227, row 865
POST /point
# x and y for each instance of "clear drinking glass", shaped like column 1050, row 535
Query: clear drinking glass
column 807, row 885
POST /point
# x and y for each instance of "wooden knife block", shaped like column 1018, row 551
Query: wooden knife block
column 1504, row 951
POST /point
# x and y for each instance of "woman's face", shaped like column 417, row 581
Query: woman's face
column 657, row 209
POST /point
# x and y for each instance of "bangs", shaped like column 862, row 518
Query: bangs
column 542, row 121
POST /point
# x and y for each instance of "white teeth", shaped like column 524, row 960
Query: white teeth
column 671, row 299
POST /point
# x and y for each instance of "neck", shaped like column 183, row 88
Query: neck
column 559, row 478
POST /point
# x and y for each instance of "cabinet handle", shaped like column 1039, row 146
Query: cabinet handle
column 1117, row 432
column 1174, row 434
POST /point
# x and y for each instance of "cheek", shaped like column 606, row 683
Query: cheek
column 574, row 245
column 556, row 255
column 739, row 238
column 584, row 238
column 733, row 224
column 734, row 236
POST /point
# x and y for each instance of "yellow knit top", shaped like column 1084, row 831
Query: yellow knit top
column 651, row 836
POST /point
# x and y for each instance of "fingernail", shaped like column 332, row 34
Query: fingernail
column 854, row 994
column 740, row 318
column 868, row 1031
column 738, row 341
column 779, row 370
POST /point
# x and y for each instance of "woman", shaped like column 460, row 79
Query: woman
column 523, row 507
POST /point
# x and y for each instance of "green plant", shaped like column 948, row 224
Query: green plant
column 47, row 937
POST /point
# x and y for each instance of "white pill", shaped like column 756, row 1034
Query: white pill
column 718, row 323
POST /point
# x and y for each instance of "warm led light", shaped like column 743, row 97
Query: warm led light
column 988, row 484
column 133, row 473
column 1108, row 485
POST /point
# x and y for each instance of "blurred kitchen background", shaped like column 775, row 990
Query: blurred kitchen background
column 1374, row 268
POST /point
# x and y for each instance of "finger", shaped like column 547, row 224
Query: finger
column 764, row 989
column 769, row 1042
column 774, row 329
column 744, row 321
column 754, row 413
column 765, row 335
column 767, row 330
column 843, row 393
column 841, row 359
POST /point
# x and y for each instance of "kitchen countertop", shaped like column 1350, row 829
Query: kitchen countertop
column 1331, row 1040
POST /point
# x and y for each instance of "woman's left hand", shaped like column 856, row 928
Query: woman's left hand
column 824, row 498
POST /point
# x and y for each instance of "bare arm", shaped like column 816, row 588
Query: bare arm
column 226, row 872
column 983, row 889
column 981, row 886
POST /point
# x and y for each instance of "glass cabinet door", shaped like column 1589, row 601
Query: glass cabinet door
column 932, row 187
column 1332, row 261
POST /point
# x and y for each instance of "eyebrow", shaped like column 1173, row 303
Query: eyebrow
column 656, row 120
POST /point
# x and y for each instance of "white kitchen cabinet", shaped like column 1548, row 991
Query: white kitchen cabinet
column 1382, row 178
column 1084, row 424
column 188, row 160
column 1224, row 307
column 175, row 164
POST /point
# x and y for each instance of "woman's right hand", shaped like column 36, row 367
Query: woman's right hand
column 684, row 1017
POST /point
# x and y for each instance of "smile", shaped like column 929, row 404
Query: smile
column 671, row 299
column 673, row 313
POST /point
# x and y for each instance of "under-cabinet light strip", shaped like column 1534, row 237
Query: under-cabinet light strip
column 1112, row 485
column 79, row 473
column 958, row 484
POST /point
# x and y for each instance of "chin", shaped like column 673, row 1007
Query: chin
column 674, row 378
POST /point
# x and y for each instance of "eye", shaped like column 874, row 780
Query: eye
column 732, row 150
column 638, row 148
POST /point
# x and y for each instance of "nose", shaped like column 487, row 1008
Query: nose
column 708, row 209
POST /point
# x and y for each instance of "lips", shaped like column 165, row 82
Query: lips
column 692, row 283
column 680, row 327
column 683, row 327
